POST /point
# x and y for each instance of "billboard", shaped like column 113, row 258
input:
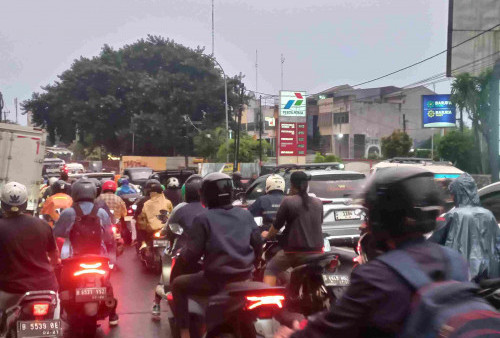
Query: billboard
column 293, row 139
column 293, row 103
column 438, row 111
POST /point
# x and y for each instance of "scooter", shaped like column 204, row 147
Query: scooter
column 36, row 314
column 120, row 244
column 151, row 254
column 86, row 292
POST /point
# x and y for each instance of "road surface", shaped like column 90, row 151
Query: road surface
column 134, row 287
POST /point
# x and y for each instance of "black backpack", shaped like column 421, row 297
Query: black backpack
column 86, row 233
column 447, row 309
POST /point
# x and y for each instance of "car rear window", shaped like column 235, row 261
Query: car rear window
column 335, row 186
column 140, row 174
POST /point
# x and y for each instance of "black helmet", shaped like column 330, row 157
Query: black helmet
column 98, row 186
column 402, row 201
column 60, row 187
column 216, row 190
column 154, row 176
column 153, row 186
column 83, row 190
column 192, row 188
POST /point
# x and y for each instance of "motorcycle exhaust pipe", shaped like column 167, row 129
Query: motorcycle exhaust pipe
column 110, row 302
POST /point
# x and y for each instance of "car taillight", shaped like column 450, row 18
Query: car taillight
column 334, row 263
column 173, row 263
column 40, row 309
column 90, row 269
column 326, row 201
column 257, row 301
column 440, row 219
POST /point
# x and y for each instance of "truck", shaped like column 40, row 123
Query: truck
column 22, row 151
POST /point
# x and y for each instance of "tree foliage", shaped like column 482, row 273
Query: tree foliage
column 397, row 144
column 207, row 143
column 249, row 149
column 319, row 158
column 144, row 88
column 458, row 148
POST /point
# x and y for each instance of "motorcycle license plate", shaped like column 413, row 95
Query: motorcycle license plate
column 160, row 243
column 336, row 280
column 90, row 294
column 346, row 215
column 39, row 328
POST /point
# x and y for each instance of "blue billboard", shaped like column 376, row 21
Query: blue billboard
column 438, row 111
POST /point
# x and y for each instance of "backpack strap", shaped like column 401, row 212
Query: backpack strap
column 406, row 267
column 455, row 268
column 78, row 210
column 95, row 210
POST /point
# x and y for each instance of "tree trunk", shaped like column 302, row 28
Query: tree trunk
column 477, row 145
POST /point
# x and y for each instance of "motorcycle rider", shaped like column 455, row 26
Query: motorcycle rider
column 471, row 230
column 114, row 203
column 212, row 235
column 266, row 206
column 402, row 205
column 237, row 183
column 302, row 216
column 183, row 216
column 172, row 192
column 56, row 203
column 155, row 212
column 28, row 250
column 124, row 187
column 84, row 193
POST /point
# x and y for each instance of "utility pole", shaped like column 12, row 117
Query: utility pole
column 15, row 104
column 1, row 105
column 256, row 71
column 404, row 123
column 213, row 30
column 237, row 138
column 260, row 132
column 282, row 62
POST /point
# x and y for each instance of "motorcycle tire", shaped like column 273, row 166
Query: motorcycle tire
column 174, row 330
column 89, row 327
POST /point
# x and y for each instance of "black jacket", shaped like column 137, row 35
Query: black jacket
column 378, row 300
column 229, row 240
column 266, row 206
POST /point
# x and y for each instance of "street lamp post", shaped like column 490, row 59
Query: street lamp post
column 226, row 108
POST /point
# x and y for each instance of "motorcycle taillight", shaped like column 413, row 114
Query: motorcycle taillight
column 264, row 306
column 40, row 309
column 130, row 211
column 90, row 268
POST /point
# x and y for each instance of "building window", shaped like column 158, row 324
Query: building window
column 340, row 118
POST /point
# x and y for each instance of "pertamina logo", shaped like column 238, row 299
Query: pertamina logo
column 296, row 102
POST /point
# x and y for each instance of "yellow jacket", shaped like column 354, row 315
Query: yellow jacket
column 156, row 208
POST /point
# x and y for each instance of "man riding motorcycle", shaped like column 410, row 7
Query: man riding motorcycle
column 402, row 205
column 28, row 250
column 266, row 206
column 155, row 212
column 84, row 193
column 114, row 203
column 59, row 201
column 125, row 188
column 227, row 238
column 302, row 217
column 183, row 215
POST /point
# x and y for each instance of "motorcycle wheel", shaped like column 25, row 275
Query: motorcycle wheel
column 89, row 327
column 174, row 330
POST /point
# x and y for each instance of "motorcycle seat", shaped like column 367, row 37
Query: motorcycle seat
column 490, row 283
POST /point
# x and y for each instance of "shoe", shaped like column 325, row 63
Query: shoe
column 113, row 320
column 156, row 312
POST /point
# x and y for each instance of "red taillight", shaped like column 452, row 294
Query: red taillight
column 334, row 263
column 90, row 268
column 114, row 229
column 130, row 211
column 256, row 301
column 170, row 297
column 173, row 263
column 40, row 309
column 326, row 202
column 440, row 219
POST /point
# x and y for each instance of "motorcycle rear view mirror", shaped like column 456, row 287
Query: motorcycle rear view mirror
column 259, row 220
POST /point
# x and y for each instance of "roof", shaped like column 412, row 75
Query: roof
column 331, row 171
column 433, row 167
column 368, row 94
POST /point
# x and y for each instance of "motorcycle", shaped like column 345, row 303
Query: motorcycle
column 86, row 292
column 35, row 314
column 120, row 244
column 128, row 223
column 151, row 254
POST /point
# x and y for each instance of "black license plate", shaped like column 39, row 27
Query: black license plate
column 160, row 243
column 39, row 328
column 90, row 294
column 336, row 280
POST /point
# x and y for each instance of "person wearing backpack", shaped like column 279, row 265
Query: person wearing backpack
column 390, row 296
column 87, row 228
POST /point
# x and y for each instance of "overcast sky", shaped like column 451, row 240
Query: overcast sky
column 324, row 42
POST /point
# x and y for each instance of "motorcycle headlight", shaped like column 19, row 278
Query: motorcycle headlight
column 176, row 228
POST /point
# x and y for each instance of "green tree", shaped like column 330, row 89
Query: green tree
column 147, row 88
column 397, row 144
column 249, row 149
column 458, row 147
column 471, row 94
column 207, row 143
column 319, row 158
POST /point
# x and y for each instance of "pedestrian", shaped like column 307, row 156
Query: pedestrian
column 471, row 230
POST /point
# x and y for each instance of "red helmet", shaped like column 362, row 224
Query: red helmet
column 109, row 186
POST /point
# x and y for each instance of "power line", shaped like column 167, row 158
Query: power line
column 427, row 59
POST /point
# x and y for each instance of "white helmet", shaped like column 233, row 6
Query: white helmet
column 275, row 182
column 14, row 197
column 173, row 182
column 52, row 180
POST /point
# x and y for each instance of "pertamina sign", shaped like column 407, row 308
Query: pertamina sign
column 292, row 103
